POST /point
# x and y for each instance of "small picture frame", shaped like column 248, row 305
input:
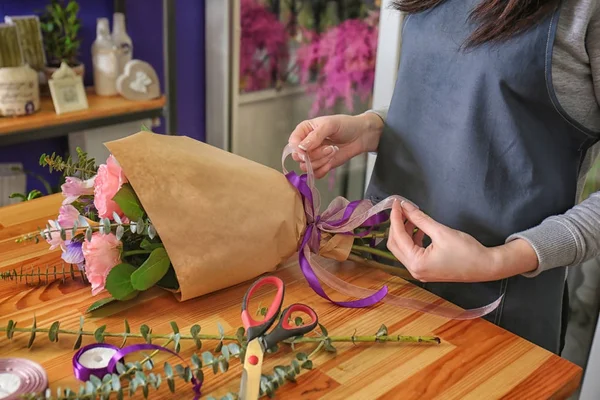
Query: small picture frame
column 67, row 91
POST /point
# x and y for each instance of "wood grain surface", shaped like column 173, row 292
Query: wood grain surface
column 476, row 359
column 99, row 107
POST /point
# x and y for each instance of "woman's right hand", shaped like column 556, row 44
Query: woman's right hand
column 332, row 140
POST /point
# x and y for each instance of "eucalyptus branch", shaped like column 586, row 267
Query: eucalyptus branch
column 84, row 166
column 35, row 277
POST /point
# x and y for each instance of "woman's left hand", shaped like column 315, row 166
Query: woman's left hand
column 452, row 256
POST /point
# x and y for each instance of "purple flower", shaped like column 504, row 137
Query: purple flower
column 73, row 254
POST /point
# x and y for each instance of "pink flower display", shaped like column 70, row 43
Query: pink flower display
column 344, row 58
column 73, row 188
column 263, row 46
column 101, row 254
column 108, row 181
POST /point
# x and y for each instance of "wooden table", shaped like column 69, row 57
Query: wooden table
column 476, row 359
column 102, row 111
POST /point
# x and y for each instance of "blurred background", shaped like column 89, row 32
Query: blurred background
column 237, row 74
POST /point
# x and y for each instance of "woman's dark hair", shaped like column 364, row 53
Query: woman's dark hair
column 497, row 19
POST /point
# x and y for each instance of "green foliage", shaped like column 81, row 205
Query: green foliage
column 60, row 31
column 100, row 303
column 84, row 168
column 131, row 377
column 152, row 270
column 118, row 281
column 129, row 203
column 38, row 277
column 34, row 194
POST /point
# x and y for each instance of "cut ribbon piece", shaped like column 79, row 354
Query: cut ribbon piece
column 343, row 217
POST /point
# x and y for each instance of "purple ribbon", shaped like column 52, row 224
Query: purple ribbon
column 312, row 237
column 83, row 373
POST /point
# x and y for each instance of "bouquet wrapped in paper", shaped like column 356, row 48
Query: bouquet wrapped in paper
column 177, row 213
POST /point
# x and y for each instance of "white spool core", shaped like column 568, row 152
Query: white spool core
column 97, row 357
column 9, row 384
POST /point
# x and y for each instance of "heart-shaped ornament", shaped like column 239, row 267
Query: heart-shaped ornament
column 138, row 81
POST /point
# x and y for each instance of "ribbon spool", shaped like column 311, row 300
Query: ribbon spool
column 19, row 376
column 93, row 359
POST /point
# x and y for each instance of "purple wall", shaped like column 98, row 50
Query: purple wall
column 144, row 24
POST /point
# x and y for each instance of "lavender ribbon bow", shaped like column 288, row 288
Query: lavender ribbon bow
column 343, row 217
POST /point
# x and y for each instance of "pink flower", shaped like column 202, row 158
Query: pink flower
column 67, row 216
column 75, row 187
column 101, row 254
column 53, row 238
column 108, row 181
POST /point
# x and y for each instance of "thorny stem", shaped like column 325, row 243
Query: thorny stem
column 352, row 339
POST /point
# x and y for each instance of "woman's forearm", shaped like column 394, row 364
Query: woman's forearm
column 373, row 128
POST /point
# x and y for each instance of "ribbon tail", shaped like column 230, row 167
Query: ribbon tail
column 372, row 298
column 418, row 305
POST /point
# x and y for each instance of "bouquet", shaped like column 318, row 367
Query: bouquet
column 176, row 213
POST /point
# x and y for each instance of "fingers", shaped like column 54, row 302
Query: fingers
column 315, row 137
column 421, row 220
column 418, row 238
column 400, row 242
column 300, row 132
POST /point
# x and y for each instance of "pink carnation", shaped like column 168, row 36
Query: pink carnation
column 108, row 181
column 101, row 254
column 75, row 187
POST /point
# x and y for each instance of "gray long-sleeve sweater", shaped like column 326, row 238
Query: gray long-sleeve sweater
column 574, row 237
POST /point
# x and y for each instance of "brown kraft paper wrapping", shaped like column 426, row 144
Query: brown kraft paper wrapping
column 223, row 219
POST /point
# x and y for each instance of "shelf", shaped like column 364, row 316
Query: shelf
column 102, row 111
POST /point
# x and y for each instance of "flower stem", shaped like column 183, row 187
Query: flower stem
column 378, row 252
column 135, row 252
column 401, row 272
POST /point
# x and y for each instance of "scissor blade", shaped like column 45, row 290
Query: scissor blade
column 250, row 384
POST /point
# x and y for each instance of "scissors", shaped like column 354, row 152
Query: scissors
column 259, row 341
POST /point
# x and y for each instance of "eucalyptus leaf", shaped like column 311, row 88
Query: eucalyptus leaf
column 152, row 270
column 117, row 218
column 168, row 370
column 120, row 232
column 77, row 344
column 174, row 326
column 196, row 362
column 324, row 330
column 53, row 331
column 99, row 334
column 32, row 337
column 88, row 234
column 129, row 203
column 118, row 281
column 225, row 352
column 145, row 331
column 106, row 226
column 151, row 231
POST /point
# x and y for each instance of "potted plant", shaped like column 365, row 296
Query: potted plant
column 60, row 30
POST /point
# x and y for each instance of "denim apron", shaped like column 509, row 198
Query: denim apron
column 476, row 138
